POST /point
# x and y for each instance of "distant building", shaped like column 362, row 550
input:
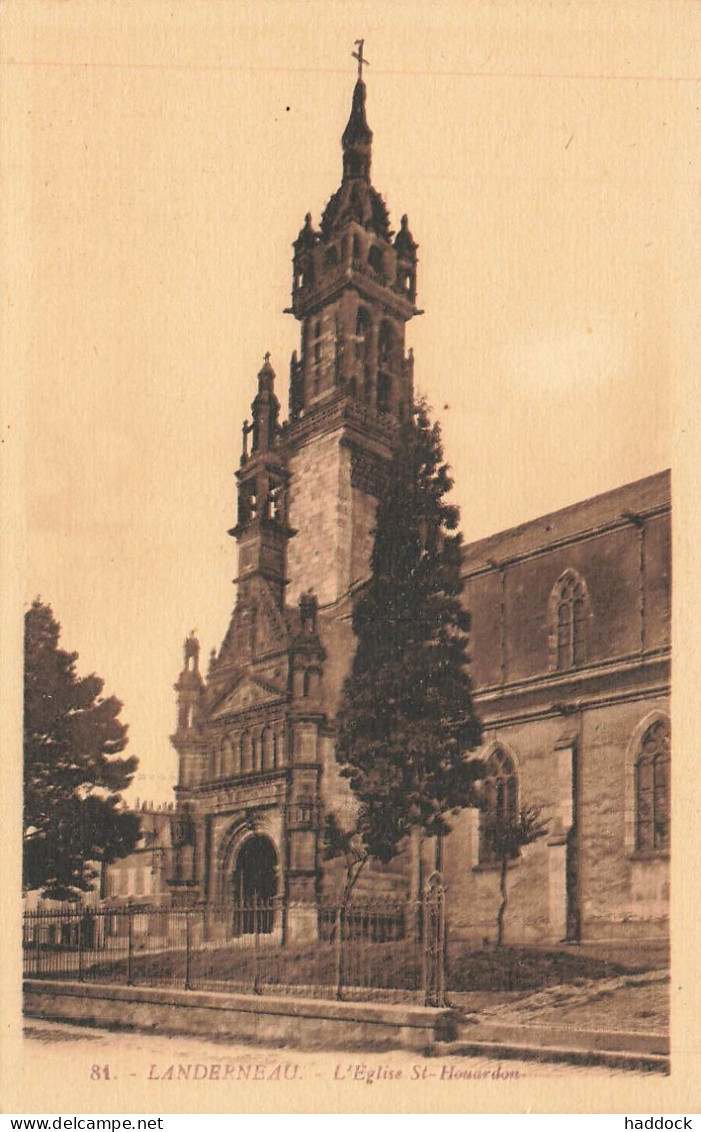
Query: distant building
column 142, row 877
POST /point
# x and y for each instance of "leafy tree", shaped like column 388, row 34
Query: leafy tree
column 72, row 770
column 406, row 718
column 507, row 834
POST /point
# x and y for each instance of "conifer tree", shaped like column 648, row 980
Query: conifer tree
column 73, row 813
column 406, row 723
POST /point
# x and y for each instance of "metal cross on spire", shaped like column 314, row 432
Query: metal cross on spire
column 359, row 56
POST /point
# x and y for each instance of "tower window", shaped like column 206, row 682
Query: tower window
column 362, row 334
column 386, row 352
column 338, row 351
column 375, row 258
column 276, row 503
column 386, row 347
column 652, row 810
column 569, row 610
column 384, row 392
column 316, row 351
column 500, row 794
column 248, row 503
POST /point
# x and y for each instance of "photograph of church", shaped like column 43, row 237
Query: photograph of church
column 352, row 392
column 569, row 641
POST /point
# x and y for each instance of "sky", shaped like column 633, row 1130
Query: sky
column 166, row 159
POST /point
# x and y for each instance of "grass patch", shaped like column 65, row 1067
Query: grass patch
column 392, row 966
column 382, row 965
column 523, row 968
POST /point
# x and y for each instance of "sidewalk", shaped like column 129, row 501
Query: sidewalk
column 622, row 1022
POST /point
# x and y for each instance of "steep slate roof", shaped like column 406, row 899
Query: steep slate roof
column 635, row 498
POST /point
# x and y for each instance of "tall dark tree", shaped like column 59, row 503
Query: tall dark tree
column 73, row 775
column 406, row 721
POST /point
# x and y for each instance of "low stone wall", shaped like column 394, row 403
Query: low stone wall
column 303, row 1022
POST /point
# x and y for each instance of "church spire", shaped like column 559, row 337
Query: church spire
column 353, row 290
column 357, row 136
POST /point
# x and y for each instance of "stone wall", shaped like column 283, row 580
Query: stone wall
column 334, row 521
column 589, row 716
column 622, row 894
column 306, row 1023
column 320, row 513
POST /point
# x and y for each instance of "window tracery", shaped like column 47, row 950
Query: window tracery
column 652, row 775
column 500, row 802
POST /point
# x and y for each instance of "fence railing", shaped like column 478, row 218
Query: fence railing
column 362, row 951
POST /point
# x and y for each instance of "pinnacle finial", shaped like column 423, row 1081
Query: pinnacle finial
column 266, row 356
column 359, row 56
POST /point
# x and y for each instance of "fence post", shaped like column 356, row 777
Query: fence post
column 39, row 943
column 434, row 942
column 256, row 944
column 130, row 946
column 187, row 950
column 340, row 930
column 81, row 974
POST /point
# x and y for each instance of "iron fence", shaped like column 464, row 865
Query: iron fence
column 361, row 951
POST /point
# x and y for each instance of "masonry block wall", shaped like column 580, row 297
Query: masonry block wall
column 319, row 513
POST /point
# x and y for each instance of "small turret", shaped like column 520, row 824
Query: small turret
column 262, row 530
column 190, row 685
column 405, row 247
column 307, row 656
column 266, row 410
column 357, row 138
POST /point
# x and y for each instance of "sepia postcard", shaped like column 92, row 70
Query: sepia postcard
column 349, row 444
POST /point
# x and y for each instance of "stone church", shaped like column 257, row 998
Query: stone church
column 570, row 639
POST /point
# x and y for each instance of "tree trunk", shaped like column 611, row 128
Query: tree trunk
column 339, row 926
column 504, row 899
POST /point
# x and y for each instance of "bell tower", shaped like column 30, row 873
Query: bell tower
column 262, row 531
column 353, row 292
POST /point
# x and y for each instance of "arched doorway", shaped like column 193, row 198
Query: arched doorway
column 255, row 886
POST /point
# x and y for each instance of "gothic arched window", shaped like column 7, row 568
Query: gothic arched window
column 569, row 609
column 652, row 808
column 500, row 802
